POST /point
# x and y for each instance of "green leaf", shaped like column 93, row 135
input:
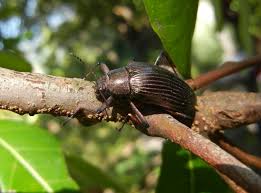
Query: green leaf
column 218, row 7
column 90, row 177
column 244, row 18
column 174, row 22
column 31, row 160
column 14, row 61
column 183, row 172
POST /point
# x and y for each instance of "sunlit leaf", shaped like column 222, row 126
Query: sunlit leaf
column 14, row 61
column 218, row 7
column 31, row 160
column 244, row 23
column 174, row 21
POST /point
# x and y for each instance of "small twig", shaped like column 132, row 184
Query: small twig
column 227, row 145
column 232, row 184
column 226, row 69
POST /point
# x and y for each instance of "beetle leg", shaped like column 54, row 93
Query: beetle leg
column 107, row 103
column 182, row 115
column 126, row 119
column 78, row 110
column 164, row 61
column 143, row 122
column 185, row 119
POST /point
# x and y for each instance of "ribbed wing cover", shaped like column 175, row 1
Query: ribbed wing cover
column 152, row 84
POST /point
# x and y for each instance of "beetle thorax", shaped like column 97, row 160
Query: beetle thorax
column 118, row 83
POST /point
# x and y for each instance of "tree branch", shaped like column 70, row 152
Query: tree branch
column 33, row 93
column 226, row 69
column 240, row 177
column 227, row 145
column 36, row 93
column 226, row 110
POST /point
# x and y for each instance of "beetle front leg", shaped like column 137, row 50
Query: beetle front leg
column 107, row 103
column 142, row 121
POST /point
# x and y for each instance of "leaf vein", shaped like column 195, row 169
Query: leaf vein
column 26, row 165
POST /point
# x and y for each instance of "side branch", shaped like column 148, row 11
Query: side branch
column 227, row 145
column 226, row 69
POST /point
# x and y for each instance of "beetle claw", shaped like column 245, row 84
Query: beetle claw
column 99, row 110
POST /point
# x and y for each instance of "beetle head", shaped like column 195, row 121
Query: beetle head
column 102, row 87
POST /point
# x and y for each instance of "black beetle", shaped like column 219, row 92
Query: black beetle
column 142, row 83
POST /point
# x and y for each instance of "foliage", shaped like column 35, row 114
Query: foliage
column 189, row 171
column 169, row 25
column 13, row 61
column 33, row 161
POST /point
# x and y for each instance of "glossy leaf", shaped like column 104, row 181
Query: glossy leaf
column 218, row 7
column 31, row 160
column 244, row 19
column 174, row 21
column 90, row 177
column 14, row 61
column 183, row 172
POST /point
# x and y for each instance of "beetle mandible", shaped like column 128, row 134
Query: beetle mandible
column 142, row 83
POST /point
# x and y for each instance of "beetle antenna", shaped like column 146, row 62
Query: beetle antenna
column 78, row 58
column 85, row 64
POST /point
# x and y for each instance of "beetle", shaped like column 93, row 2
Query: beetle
column 151, row 85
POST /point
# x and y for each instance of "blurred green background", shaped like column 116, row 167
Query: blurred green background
column 40, row 36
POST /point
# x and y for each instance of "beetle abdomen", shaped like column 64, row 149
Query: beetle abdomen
column 154, row 85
